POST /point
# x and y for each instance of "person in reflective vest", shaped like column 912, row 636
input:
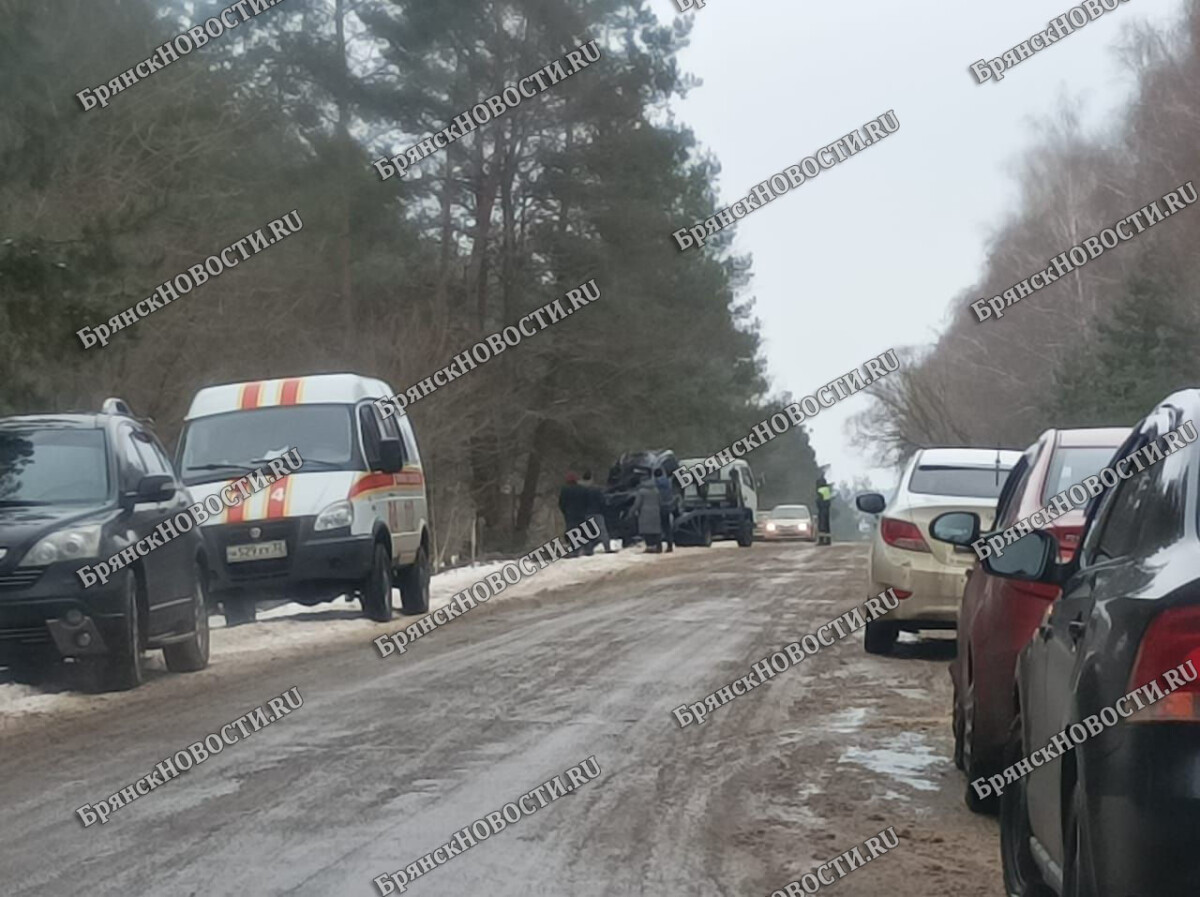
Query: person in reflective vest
column 824, row 502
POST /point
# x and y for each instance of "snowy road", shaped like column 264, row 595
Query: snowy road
column 388, row 758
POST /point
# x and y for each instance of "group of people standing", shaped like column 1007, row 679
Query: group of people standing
column 580, row 500
column 583, row 501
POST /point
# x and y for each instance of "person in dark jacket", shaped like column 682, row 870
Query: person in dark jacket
column 666, row 505
column 595, row 511
column 646, row 508
column 573, row 502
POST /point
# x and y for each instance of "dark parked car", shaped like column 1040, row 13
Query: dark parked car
column 76, row 489
column 999, row 615
column 1119, row 814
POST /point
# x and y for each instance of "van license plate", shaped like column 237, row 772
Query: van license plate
column 257, row 551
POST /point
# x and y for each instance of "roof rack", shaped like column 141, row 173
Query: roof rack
column 114, row 405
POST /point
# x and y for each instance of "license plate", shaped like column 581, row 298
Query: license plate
column 257, row 551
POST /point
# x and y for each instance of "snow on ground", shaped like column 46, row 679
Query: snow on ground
column 283, row 629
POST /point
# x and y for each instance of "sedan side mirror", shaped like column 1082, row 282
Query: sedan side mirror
column 1030, row 558
column 870, row 503
column 956, row 527
column 391, row 455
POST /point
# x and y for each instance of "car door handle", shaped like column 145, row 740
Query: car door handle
column 1076, row 629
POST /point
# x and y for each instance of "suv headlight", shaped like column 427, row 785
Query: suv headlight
column 64, row 545
column 337, row 515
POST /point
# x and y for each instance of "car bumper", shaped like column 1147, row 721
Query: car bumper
column 317, row 564
column 1144, row 811
column 34, row 611
column 936, row 588
column 793, row 535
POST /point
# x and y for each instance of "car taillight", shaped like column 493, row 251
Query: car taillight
column 902, row 534
column 1171, row 639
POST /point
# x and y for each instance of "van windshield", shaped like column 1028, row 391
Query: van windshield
column 224, row 446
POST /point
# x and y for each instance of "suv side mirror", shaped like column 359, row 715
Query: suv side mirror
column 154, row 487
column 956, row 527
column 870, row 503
column 391, row 455
column 1030, row 559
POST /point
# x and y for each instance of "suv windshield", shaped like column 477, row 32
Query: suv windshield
column 791, row 512
column 227, row 445
column 54, row 466
column 967, row 482
column 1073, row 465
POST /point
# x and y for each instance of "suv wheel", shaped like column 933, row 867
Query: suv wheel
column 1022, row 878
column 880, row 637
column 414, row 584
column 192, row 655
column 377, row 591
column 121, row 669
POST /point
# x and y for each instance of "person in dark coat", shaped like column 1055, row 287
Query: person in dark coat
column 666, row 503
column 573, row 502
column 646, row 507
column 595, row 511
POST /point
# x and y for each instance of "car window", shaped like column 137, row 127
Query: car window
column 1071, row 465
column 130, row 463
column 791, row 512
column 53, row 466
column 1009, row 503
column 370, row 434
column 152, row 458
column 1145, row 512
column 967, row 482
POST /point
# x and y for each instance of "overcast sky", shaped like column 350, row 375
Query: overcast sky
column 868, row 255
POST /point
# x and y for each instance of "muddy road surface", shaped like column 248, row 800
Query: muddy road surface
column 389, row 757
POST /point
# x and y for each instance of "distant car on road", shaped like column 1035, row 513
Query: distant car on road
column 1119, row 813
column 75, row 489
column 999, row 615
column 790, row 522
column 354, row 519
column 927, row 576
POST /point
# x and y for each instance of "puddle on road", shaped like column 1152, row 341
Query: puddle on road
column 906, row 761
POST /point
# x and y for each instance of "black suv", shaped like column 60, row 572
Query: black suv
column 76, row 489
column 1119, row 814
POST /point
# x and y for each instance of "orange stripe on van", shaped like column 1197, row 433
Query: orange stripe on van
column 250, row 395
column 277, row 499
column 289, row 393
column 236, row 513
column 369, row 482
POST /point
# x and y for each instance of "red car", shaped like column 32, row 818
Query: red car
column 999, row 616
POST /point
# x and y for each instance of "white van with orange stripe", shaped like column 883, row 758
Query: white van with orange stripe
column 353, row 520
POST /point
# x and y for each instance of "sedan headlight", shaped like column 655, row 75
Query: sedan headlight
column 64, row 545
column 770, row 527
column 338, row 515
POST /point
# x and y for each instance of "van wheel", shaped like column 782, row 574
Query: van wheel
column 121, row 669
column 706, row 538
column 192, row 655
column 414, row 584
column 377, row 591
column 880, row 637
